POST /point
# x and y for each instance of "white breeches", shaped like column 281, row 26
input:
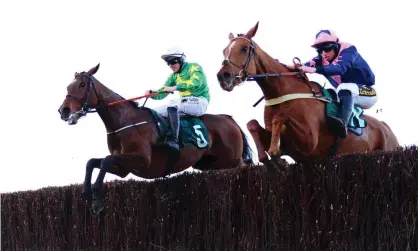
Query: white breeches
column 194, row 106
column 365, row 97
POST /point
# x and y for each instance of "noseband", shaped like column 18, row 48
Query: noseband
column 85, row 108
column 242, row 75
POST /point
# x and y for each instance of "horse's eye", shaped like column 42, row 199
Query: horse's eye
column 244, row 49
column 83, row 84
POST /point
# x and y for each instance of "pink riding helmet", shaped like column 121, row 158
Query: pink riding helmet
column 325, row 36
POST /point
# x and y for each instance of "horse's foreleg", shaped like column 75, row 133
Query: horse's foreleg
column 261, row 138
column 91, row 164
column 120, row 165
column 275, row 139
column 107, row 165
column 274, row 150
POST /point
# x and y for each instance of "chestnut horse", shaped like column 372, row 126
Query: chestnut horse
column 295, row 109
column 135, row 138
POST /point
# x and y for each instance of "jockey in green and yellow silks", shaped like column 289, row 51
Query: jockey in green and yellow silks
column 189, row 80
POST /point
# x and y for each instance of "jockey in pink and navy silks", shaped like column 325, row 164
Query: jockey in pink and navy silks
column 347, row 71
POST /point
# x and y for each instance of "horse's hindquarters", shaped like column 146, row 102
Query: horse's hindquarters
column 227, row 140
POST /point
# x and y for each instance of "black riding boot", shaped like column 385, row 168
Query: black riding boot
column 339, row 124
column 174, row 119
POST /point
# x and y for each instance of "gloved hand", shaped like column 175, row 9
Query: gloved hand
column 291, row 66
column 170, row 88
column 307, row 69
column 148, row 92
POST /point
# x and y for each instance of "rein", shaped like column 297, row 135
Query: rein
column 90, row 109
column 243, row 76
column 268, row 75
column 85, row 108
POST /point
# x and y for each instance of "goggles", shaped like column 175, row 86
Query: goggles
column 326, row 48
column 173, row 61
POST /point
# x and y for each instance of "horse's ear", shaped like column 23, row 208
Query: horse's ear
column 231, row 36
column 251, row 33
column 93, row 70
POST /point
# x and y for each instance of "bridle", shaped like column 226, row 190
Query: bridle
column 85, row 107
column 243, row 73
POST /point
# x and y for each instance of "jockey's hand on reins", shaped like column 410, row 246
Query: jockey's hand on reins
column 298, row 64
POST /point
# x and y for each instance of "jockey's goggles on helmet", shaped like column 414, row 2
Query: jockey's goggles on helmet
column 173, row 61
column 326, row 48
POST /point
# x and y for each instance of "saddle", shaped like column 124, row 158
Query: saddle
column 192, row 132
column 356, row 123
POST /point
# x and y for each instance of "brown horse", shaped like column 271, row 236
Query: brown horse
column 295, row 112
column 135, row 137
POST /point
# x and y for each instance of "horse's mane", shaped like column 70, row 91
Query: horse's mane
column 277, row 60
column 133, row 103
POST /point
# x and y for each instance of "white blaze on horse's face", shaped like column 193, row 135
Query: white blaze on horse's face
column 237, row 63
column 229, row 50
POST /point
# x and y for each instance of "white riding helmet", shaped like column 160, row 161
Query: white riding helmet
column 174, row 52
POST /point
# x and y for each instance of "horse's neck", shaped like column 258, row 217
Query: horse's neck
column 274, row 87
column 115, row 116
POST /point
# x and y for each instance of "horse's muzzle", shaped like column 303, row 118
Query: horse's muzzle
column 224, row 76
column 73, row 118
column 225, row 80
column 65, row 113
column 227, row 86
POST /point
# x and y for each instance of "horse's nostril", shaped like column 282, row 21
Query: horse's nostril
column 220, row 77
column 65, row 111
column 223, row 76
column 227, row 75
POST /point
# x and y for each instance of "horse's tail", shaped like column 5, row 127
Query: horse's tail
column 247, row 154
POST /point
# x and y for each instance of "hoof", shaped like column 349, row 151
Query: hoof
column 275, row 166
column 281, row 164
column 87, row 196
column 271, row 167
column 97, row 205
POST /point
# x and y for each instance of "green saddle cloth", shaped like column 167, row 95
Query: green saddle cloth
column 192, row 132
column 356, row 120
